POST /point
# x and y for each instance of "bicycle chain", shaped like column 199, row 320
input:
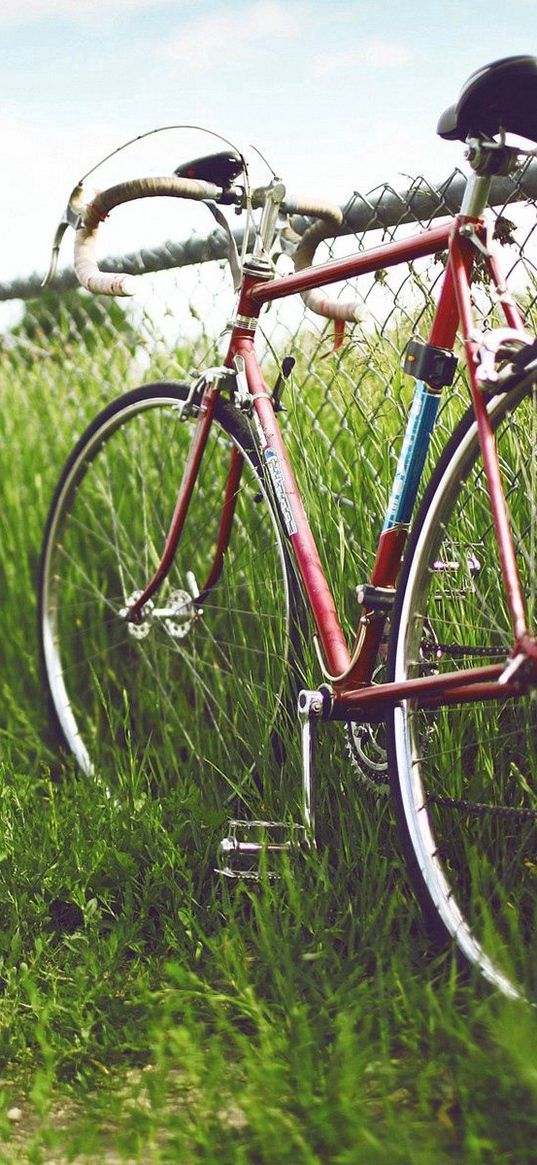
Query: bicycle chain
column 381, row 782
column 431, row 649
column 478, row 809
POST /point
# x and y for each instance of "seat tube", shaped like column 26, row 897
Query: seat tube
column 417, row 438
column 426, row 399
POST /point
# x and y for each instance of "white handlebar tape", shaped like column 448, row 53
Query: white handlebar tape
column 328, row 219
column 85, row 263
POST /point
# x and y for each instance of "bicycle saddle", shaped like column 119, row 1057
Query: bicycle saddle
column 502, row 95
column 222, row 168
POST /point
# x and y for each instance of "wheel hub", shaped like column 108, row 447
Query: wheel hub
column 177, row 616
column 178, row 623
column 138, row 630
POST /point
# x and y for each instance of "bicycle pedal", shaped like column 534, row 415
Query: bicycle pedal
column 250, row 845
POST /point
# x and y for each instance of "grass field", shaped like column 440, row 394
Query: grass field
column 150, row 1014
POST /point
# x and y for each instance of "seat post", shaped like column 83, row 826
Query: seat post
column 476, row 195
column 487, row 159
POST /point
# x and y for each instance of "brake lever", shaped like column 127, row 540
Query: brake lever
column 233, row 254
column 71, row 218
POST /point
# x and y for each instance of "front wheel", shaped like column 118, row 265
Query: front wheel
column 465, row 776
column 201, row 682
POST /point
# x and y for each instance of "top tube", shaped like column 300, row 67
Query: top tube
column 387, row 255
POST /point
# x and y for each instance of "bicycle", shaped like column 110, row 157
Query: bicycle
column 159, row 633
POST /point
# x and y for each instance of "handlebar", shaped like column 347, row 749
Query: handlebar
column 96, row 211
column 327, row 220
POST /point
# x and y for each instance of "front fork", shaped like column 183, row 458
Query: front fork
column 208, row 396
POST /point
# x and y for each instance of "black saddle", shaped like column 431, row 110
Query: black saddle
column 502, row 95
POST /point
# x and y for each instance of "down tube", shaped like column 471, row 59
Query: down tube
column 301, row 539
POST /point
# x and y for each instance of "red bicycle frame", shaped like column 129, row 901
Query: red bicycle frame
column 350, row 672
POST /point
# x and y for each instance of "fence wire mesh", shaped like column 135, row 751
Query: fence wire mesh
column 345, row 405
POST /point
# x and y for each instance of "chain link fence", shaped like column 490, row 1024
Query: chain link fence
column 345, row 404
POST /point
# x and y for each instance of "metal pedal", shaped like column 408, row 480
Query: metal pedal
column 240, row 852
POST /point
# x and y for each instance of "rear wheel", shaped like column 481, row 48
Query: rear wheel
column 465, row 776
column 200, row 682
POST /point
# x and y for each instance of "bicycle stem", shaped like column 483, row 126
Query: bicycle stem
column 267, row 227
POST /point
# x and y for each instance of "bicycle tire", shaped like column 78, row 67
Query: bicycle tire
column 464, row 776
column 207, row 692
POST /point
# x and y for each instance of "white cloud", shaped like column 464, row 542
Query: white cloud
column 206, row 41
column 14, row 12
column 377, row 53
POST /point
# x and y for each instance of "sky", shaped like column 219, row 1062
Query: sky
column 339, row 95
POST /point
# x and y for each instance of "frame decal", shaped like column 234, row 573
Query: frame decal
column 275, row 470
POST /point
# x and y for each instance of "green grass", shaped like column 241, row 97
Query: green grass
column 149, row 1013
